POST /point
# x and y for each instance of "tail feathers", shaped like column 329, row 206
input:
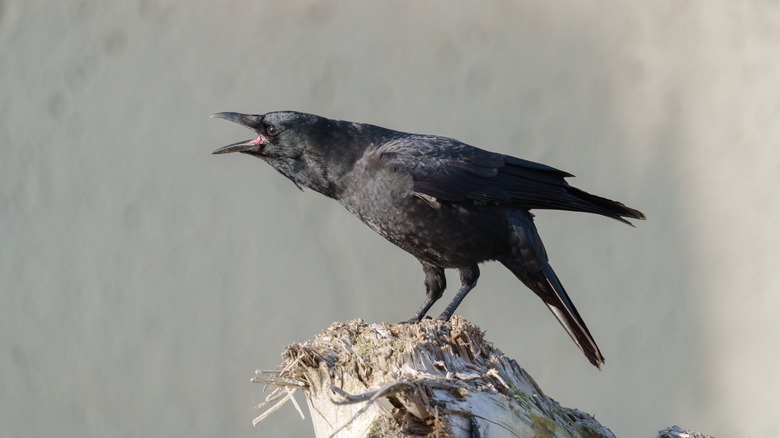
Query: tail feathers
column 584, row 201
column 528, row 262
column 551, row 291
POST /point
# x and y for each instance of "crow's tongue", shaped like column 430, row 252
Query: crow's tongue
column 259, row 140
column 255, row 145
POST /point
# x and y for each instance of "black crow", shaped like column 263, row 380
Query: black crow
column 447, row 203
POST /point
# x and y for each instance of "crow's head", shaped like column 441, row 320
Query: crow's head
column 310, row 150
column 281, row 134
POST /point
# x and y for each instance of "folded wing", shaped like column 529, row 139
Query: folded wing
column 451, row 171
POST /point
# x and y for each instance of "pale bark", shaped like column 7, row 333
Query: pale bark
column 427, row 379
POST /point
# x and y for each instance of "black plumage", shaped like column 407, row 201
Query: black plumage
column 449, row 204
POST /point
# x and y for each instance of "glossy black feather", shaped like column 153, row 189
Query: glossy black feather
column 449, row 204
column 452, row 171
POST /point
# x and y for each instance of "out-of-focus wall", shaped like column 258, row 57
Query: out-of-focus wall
column 142, row 280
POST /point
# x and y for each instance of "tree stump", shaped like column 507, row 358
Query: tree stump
column 435, row 378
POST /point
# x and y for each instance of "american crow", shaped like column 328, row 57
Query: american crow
column 449, row 204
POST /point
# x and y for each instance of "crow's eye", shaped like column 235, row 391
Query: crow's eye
column 271, row 130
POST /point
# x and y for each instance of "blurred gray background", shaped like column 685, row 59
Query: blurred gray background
column 144, row 280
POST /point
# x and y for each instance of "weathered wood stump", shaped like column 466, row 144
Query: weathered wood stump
column 429, row 379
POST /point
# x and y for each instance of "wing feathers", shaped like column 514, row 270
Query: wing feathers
column 455, row 172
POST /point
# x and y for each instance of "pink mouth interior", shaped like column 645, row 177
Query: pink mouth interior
column 259, row 140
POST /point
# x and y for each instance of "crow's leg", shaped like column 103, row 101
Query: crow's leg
column 468, row 279
column 435, row 283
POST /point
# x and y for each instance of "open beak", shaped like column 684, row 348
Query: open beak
column 253, row 122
